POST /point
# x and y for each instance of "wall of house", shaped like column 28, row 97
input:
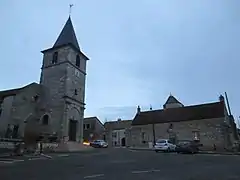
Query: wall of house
column 96, row 129
column 119, row 126
column 173, row 105
column 118, row 136
column 5, row 116
column 209, row 132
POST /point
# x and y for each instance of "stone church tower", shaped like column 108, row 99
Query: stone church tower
column 63, row 74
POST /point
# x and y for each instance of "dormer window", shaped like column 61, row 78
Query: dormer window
column 77, row 61
column 55, row 58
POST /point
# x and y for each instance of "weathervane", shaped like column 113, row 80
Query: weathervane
column 70, row 9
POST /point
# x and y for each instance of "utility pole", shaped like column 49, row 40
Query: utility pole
column 228, row 104
column 154, row 137
column 233, row 124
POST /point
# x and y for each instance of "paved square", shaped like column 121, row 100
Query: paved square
column 121, row 164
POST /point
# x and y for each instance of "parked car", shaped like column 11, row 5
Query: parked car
column 187, row 146
column 164, row 145
column 99, row 144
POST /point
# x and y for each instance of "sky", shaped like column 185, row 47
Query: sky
column 140, row 51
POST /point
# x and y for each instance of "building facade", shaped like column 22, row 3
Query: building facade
column 93, row 129
column 116, row 132
column 208, row 124
column 57, row 102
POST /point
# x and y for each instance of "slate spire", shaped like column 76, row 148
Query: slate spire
column 67, row 36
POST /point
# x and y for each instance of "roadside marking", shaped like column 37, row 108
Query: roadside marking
column 93, row 154
column 146, row 171
column 122, row 161
column 10, row 161
column 93, row 176
column 6, row 162
column 63, row 155
column 37, row 158
column 6, row 159
column 47, row 156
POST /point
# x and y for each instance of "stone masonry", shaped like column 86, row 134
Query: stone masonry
column 59, row 97
column 211, row 131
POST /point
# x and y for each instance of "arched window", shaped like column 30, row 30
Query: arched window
column 45, row 119
column 77, row 61
column 55, row 58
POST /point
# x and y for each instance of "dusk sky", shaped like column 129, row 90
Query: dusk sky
column 140, row 51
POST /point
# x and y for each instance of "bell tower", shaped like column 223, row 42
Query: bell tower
column 63, row 74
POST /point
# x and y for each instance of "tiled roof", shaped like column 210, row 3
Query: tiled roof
column 187, row 113
column 12, row 92
column 93, row 118
column 114, row 125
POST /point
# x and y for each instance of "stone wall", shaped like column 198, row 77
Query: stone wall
column 209, row 132
column 66, row 84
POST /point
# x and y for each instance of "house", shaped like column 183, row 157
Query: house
column 207, row 123
column 92, row 129
column 116, row 132
column 55, row 105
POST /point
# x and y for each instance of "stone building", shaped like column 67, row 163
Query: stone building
column 116, row 132
column 208, row 124
column 93, row 129
column 56, row 104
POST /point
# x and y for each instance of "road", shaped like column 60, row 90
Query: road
column 123, row 164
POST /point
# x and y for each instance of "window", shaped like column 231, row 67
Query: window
column 86, row 126
column 77, row 73
column 0, row 108
column 196, row 136
column 77, row 61
column 143, row 137
column 55, row 58
column 114, row 134
column 75, row 92
column 15, row 131
column 35, row 98
column 45, row 119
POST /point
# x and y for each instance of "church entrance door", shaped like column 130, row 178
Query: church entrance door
column 72, row 133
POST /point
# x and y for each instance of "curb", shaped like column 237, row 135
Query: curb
column 200, row 152
column 72, row 152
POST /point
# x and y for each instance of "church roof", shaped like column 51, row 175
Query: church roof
column 12, row 92
column 67, row 36
column 187, row 113
column 171, row 100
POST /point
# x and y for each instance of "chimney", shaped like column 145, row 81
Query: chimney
column 138, row 110
column 150, row 107
column 221, row 98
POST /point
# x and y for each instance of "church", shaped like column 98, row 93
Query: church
column 54, row 106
